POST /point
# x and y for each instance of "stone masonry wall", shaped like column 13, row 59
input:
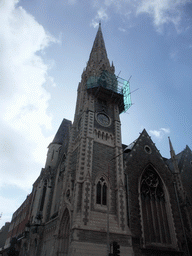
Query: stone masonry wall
column 136, row 162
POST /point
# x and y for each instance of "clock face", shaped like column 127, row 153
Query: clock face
column 103, row 119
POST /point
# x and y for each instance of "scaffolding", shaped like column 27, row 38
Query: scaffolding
column 114, row 85
column 125, row 85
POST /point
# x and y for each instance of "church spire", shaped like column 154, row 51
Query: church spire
column 98, row 60
column 172, row 152
column 173, row 157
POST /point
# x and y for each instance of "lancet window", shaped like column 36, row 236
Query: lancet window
column 52, row 155
column 154, row 208
column 101, row 195
column 43, row 195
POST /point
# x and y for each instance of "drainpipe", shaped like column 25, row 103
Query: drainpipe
column 128, row 212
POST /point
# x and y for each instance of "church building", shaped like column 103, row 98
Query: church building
column 97, row 196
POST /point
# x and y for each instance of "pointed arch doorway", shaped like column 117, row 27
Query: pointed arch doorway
column 64, row 234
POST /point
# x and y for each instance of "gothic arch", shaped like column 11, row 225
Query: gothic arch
column 156, row 217
column 64, row 234
column 101, row 190
column 52, row 153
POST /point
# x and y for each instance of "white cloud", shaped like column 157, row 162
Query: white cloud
column 24, row 99
column 155, row 133
column 159, row 133
column 162, row 11
column 101, row 15
column 7, row 206
column 72, row 1
column 166, row 130
column 122, row 29
column 94, row 23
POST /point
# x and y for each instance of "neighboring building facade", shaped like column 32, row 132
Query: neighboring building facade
column 91, row 193
column 17, row 226
column 156, row 196
column 3, row 235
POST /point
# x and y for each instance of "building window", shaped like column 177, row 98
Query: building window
column 52, row 156
column 147, row 149
column 101, row 195
column 154, row 210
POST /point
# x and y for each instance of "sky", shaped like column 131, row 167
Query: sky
column 44, row 47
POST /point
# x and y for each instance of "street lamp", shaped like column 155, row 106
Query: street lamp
column 126, row 150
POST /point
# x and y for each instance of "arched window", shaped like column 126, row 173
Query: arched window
column 43, row 195
column 52, row 155
column 154, row 211
column 101, row 194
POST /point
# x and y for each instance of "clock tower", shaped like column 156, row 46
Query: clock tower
column 93, row 206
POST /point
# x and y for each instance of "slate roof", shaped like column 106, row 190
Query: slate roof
column 62, row 132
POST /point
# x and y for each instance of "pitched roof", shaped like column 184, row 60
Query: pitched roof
column 62, row 132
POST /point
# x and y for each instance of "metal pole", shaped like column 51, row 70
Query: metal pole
column 126, row 150
column 108, row 249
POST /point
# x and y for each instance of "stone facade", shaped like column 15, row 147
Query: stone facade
column 91, row 193
column 143, row 154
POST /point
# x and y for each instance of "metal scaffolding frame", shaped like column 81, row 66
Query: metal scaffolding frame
column 114, row 84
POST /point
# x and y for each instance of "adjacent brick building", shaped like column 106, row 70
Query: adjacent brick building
column 18, row 223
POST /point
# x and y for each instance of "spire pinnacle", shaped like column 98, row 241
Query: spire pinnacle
column 173, row 157
column 98, row 60
column 172, row 152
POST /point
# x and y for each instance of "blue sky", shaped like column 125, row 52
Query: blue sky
column 45, row 46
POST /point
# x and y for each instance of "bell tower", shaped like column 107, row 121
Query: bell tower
column 94, row 189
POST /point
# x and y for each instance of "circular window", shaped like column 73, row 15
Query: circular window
column 103, row 119
column 147, row 149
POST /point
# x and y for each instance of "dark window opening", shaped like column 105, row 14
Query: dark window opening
column 98, row 193
column 154, row 212
column 43, row 195
column 104, row 194
column 101, row 196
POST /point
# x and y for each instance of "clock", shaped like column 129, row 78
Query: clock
column 103, row 119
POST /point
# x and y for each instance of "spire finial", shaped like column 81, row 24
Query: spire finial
column 173, row 157
column 171, row 147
